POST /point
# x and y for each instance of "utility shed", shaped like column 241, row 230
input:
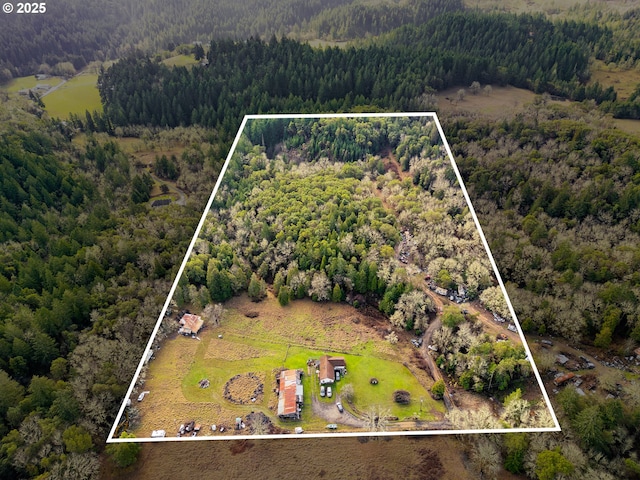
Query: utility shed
column 290, row 394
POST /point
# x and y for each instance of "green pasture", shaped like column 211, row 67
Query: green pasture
column 78, row 95
column 21, row 83
column 274, row 353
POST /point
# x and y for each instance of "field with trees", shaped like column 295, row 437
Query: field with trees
column 310, row 211
column 76, row 96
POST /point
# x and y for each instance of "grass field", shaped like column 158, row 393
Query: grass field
column 180, row 61
column 76, row 96
column 279, row 337
column 507, row 101
column 501, row 102
column 624, row 81
column 626, row 125
column 18, row 84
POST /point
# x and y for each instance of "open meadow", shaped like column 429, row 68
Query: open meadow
column 17, row 84
column 241, row 367
column 78, row 95
column 503, row 102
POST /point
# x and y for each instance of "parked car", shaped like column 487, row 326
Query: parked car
column 332, row 426
column 329, row 393
column 339, row 405
column 322, row 390
column 141, row 396
column 337, row 376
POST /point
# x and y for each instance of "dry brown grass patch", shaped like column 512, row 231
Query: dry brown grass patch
column 241, row 389
column 224, row 350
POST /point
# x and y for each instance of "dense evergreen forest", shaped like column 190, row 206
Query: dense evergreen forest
column 64, row 39
column 82, row 273
column 283, row 75
column 73, row 33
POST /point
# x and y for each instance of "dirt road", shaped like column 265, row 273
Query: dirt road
column 54, row 88
column 182, row 197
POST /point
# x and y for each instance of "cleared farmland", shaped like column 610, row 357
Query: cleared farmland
column 257, row 347
column 78, row 95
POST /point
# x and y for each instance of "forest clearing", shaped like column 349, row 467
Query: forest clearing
column 279, row 337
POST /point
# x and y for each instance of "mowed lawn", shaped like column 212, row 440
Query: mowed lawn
column 391, row 376
column 78, row 95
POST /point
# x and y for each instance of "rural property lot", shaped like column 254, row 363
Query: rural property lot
column 343, row 288
column 279, row 337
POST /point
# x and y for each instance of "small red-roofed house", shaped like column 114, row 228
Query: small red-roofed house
column 191, row 324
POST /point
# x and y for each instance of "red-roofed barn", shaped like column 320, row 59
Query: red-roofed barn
column 290, row 395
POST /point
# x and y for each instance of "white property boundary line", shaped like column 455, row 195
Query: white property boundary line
column 556, row 428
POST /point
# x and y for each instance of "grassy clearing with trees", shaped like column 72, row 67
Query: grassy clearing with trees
column 30, row 81
column 278, row 337
column 313, row 213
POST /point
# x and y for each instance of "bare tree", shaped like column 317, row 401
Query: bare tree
column 485, row 457
column 76, row 466
column 213, row 313
column 347, row 392
column 494, row 300
column 392, row 338
column 412, row 310
column 320, row 287
column 481, row 418
column 377, row 418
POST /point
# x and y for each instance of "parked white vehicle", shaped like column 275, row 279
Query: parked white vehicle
column 141, row 396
